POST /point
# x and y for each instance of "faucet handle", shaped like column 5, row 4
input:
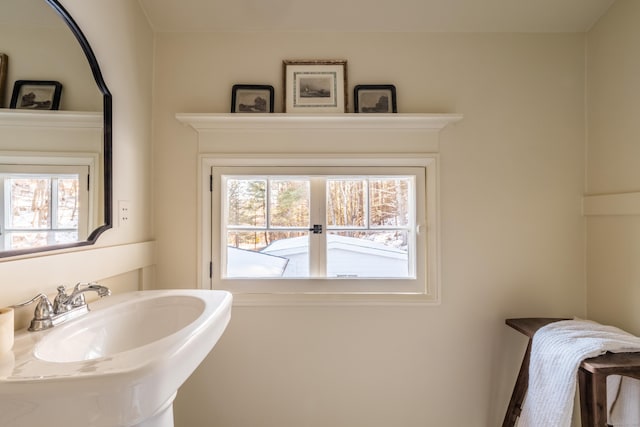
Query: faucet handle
column 42, row 314
column 43, row 302
column 61, row 302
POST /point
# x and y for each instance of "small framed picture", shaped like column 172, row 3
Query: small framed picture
column 315, row 86
column 4, row 65
column 252, row 99
column 36, row 95
column 375, row 99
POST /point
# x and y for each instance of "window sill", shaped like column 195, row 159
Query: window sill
column 315, row 299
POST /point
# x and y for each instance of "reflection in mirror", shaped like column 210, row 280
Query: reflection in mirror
column 55, row 166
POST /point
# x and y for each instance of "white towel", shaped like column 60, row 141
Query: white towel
column 556, row 353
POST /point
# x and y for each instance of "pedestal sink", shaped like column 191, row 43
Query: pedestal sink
column 119, row 365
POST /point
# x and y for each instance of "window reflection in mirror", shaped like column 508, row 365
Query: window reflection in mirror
column 43, row 205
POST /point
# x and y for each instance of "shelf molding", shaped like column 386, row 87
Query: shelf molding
column 320, row 133
column 205, row 121
column 611, row 204
column 50, row 119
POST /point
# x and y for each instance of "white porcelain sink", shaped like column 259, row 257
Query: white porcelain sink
column 119, row 365
column 125, row 327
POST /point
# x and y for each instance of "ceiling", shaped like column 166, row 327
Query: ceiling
column 374, row 15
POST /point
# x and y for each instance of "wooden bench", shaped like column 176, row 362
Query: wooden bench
column 592, row 377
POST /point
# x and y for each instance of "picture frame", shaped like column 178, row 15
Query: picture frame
column 4, row 69
column 36, row 95
column 252, row 98
column 375, row 99
column 315, row 86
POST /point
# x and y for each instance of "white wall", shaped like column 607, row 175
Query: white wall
column 613, row 248
column 123, row 43
column 512, row 177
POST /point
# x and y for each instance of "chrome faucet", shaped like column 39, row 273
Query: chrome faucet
column 65, row 307
column 64, row 303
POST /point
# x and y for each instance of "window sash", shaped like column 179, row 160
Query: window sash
column 417, row 283
column 316, row 265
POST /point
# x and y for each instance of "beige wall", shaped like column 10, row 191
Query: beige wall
column 513, row 239
column 512, row 177
column 123, row 44
column 613, row 247
column 50, row 54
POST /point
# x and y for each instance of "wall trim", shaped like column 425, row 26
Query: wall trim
column 50, row 119
column 25, row 277
column 319, row 133
column 312, row 139
column 204, row 121
column 611, row 204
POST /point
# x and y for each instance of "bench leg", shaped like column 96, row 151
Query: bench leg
column 519, row 391
column 593, row 398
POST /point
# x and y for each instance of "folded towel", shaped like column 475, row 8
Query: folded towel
column 557, row 350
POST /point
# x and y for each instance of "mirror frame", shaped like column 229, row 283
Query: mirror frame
column 107, row 141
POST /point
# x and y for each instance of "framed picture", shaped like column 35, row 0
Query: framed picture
column 4, row 66
column 315, row 86
column 252, row 99
column 375, row 99
column 36, row 95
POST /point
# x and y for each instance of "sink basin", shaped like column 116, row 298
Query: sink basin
column 122, row 328
column 119, row 365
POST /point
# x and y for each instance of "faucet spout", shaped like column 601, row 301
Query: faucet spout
column 81, row 288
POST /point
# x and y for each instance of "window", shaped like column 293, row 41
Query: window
column 42, row 205
column 330, row 229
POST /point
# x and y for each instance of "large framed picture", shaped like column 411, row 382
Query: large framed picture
column 315, row 86
column 36, row 95
column 375, row 99
column 252, row 99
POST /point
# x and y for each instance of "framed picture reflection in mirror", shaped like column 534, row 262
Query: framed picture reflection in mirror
column 36, row 95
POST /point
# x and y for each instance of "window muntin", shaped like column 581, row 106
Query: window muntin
column 366, row 230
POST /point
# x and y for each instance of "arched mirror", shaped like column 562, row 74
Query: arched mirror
column 55, row 160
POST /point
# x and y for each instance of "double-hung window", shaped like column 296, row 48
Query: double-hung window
column 336, row 228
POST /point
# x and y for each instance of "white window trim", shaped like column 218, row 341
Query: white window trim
column 431, row 293
column 388, row 136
